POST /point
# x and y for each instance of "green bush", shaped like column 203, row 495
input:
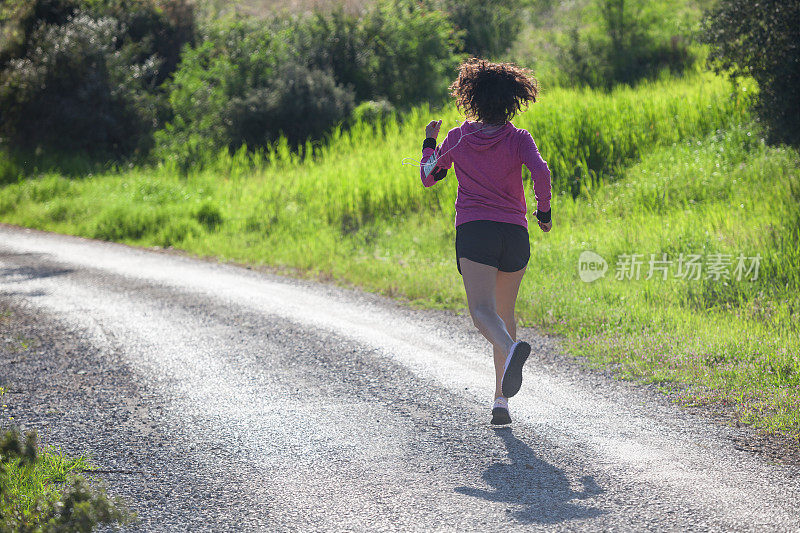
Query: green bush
column 373, row 112
column 19, row 18
column 153, row 33
column 112, row 78
column 760, row 39
column 398, row 50
column 413, row 52
column 85, row 76
column 9, row 170
column 333, row 41
column 249, row 82
column 59, row 95
column 209, row 215
column 489, row 27
column 299, row 103
column 223, row 92
column 626, row 47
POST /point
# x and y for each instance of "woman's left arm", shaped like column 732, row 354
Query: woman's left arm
column 432, row 169
column 540, row 173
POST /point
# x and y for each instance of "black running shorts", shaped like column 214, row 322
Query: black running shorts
column 502, row 245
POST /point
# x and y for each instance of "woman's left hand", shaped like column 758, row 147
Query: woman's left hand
column 432, row 129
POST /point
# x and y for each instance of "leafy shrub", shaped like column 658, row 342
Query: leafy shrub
column 9, row 170
column 21, row 17
column 153, row 32
column 760, row 39
column 626, row 48
column 333, row 41
column 249, row 82
column 85, row 76
column 489, row 27
column 60, row 95
column 224, row 92
column 413, row 52
column 299, row 103
column 99, row 76
column 398, row 50
column 209, row 215
column 373, row 112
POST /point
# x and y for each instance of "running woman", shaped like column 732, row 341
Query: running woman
column 492, row 243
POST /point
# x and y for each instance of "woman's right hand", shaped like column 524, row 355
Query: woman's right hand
column 432, row 129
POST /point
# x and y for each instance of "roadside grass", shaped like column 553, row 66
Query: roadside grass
column 41, row 488
column 725, row 341
column 26, row 485
column 732, row 342
column 44, row 490
column 671, row 167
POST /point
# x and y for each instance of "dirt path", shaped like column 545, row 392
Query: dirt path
column 225, row 399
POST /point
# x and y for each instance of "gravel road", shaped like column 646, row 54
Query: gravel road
column 218, row 398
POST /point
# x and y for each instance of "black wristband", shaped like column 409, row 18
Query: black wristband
column 430, row 142
column 543, row 216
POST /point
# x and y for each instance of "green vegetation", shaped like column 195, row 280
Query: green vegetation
column 142, row 80
column 734, row 341
column 248, row 81
column 43, row 491
column 601, row 43
column 356, row 177
column 760, row 40
column 86, row 75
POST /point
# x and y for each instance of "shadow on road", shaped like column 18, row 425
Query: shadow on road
column 11, row 273
column 540, row 491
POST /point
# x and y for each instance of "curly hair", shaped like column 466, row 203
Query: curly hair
column 493, row 92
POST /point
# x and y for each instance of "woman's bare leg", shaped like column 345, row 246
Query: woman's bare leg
column 506, row 290
column 479, row 284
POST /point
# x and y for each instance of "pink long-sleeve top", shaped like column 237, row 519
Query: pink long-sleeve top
column 488, row 168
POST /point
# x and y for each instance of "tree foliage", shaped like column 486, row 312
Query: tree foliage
column 626, row 47
column 119, row 77
column 762, row 39
column 250, row 81
column 489, row 27
column 85, row 75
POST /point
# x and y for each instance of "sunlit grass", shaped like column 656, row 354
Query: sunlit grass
column 357, row 176
column 27, row 485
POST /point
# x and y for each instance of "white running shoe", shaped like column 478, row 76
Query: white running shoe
column 500, row 414
column 512, row 373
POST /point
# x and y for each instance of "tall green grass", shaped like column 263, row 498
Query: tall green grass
column 357, row 177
